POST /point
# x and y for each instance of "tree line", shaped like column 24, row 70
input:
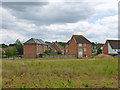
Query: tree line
column 11, row 52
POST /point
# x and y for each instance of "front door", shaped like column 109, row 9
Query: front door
column 80, row 52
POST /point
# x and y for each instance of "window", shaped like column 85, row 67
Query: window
column 80, row 44
column 84, row 44
column 66, row 45
column 84, row 49
column 66, row 50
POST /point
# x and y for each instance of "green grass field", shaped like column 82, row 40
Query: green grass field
column 60, row 73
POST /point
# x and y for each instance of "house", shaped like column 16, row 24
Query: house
column 55, row 46
column 79, row 46
column 97, row 46
column 111, row 47
column 33, row 47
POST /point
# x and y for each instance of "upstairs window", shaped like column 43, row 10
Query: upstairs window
column 80, row 44
column 84, row 44
column 84, row 49
column 66, row 50
column 66, row 45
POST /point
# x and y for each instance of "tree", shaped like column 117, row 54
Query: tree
column 8, row 53
column 62, row 44
column 99, row 51
column 11, row 44
column 11, row 52
column 3, row 45
column 93, row 43
column 19, row 47
column 14, row 52
column 49, row 52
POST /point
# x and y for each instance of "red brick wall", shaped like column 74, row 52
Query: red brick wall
column 72, row 48
column 88, row 51
column 29, row 51
column 66, row 47
column 32, row 50
column 45, row 47
column 105, row 48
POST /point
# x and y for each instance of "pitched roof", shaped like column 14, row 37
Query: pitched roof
column 34, row 41
column 81, row 39
column 115, row 44
column 59, row 46
column 51, row 46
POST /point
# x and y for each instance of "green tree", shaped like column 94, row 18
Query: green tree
column 11, row 44
column 50, row 52
column 99, row 51
column 3, row 45
column 62, row 44
column 19, row 47
column 8, row 53
column 14, row 52
column 93, row 43
column 11, row 52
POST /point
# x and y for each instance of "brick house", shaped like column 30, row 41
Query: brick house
column 55, row 46
column 111, row 47
column 78, row 45
column 34, row 47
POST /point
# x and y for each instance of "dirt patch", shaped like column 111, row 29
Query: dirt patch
column 103, row 56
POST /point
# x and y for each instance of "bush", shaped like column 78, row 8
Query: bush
column 11, row 52
column 79, row 57
column 52, row 52
column 99, row 51
column 41, row 55
column 59, row 52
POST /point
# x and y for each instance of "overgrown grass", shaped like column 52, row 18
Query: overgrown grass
column 60, row 73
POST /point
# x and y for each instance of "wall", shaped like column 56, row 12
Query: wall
column 105, row 48
column 88, row 49
column 72, row 48
column 29, row 51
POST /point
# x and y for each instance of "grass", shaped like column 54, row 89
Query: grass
column 60, row 73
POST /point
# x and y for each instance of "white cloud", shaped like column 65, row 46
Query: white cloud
column 17, row 26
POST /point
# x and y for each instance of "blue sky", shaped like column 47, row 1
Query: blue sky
column 58, row 21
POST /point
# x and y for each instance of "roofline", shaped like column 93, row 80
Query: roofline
column 81, row 36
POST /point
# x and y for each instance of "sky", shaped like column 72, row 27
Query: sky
column 58, row 20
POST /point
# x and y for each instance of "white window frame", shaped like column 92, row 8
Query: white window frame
column 80, row 44
column 84, row 49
